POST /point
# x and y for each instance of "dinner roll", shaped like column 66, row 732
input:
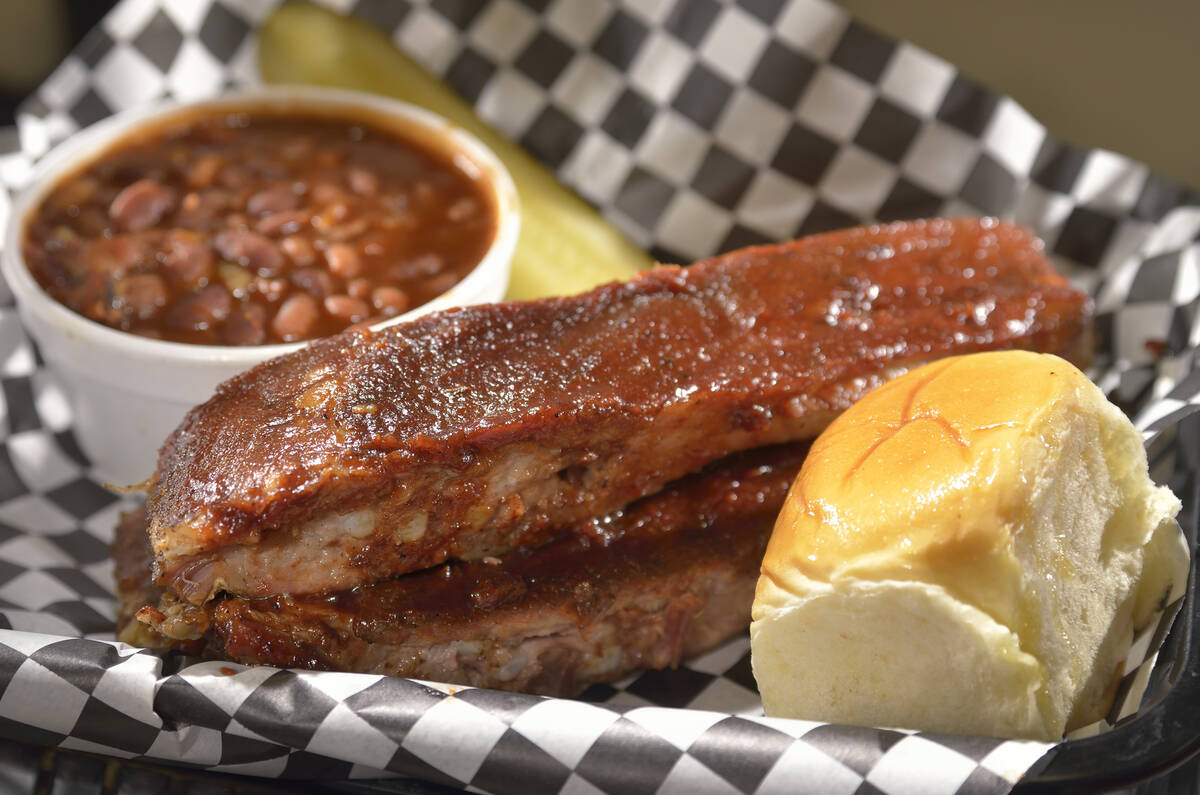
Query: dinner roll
column 968, row 549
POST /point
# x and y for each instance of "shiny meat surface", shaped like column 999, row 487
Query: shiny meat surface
column 472, row 432
column 645, row 587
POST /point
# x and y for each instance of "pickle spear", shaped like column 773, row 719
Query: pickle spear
column 565, row 246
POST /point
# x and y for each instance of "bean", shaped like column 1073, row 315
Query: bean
column 346, row 231
column 300, row 249
column 235, row 177
column 201, row 310
column 109, row 255
column 343, row 260
column 360, row 288
column 345, row 308
column 296, row 317
column 235, row 278
column 200, row 210
column 424, row 191
column 389, row 300
column 141, row 294
column 90, row 296
column 420, row 267
column 217, row 135
column 395, row 203
column 63, row 237
column 284, row 223
column 296, row 148
column 326, row 193
column 267, row 167
column 187, row 260
column 74, row 193
column 92, row 222
column 328, row 158
column 270, row 289
column 205, row 170
column 362, row 182
column 250, row 250
column 247, row 325
column 331, row 216
column 462, row 209
column 141, row 205
column 315, row 281
column 274, row 199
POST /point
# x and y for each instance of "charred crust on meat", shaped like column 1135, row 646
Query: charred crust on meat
column 550, row 380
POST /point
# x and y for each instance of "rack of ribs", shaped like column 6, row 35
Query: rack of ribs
column 471, row 433
column 663, row 579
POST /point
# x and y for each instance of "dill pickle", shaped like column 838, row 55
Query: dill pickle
column 565, row 245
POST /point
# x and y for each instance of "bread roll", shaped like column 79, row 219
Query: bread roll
column 967, row 549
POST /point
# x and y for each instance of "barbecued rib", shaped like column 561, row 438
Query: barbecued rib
column 669, row 577
column 470, row 432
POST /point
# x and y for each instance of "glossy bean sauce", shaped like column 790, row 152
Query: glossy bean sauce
column 244, row 229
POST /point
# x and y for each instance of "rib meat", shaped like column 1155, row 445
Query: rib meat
column 645, row 587
column 472, row 432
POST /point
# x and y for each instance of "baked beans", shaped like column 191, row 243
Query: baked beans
column 248, row 229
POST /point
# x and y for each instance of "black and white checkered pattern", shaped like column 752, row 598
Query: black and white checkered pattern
column 262, row 721
column 695, row 126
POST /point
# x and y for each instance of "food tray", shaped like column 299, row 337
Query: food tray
column 694, row 127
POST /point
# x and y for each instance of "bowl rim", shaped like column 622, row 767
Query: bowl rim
column 90, row 143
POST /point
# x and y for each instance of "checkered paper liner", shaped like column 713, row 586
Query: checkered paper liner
column 696, row 126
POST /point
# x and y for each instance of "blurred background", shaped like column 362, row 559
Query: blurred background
column 1106, row 73
column 34, row 36
column 1113, row 74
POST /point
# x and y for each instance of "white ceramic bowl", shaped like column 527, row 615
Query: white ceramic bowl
column 129, row 392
